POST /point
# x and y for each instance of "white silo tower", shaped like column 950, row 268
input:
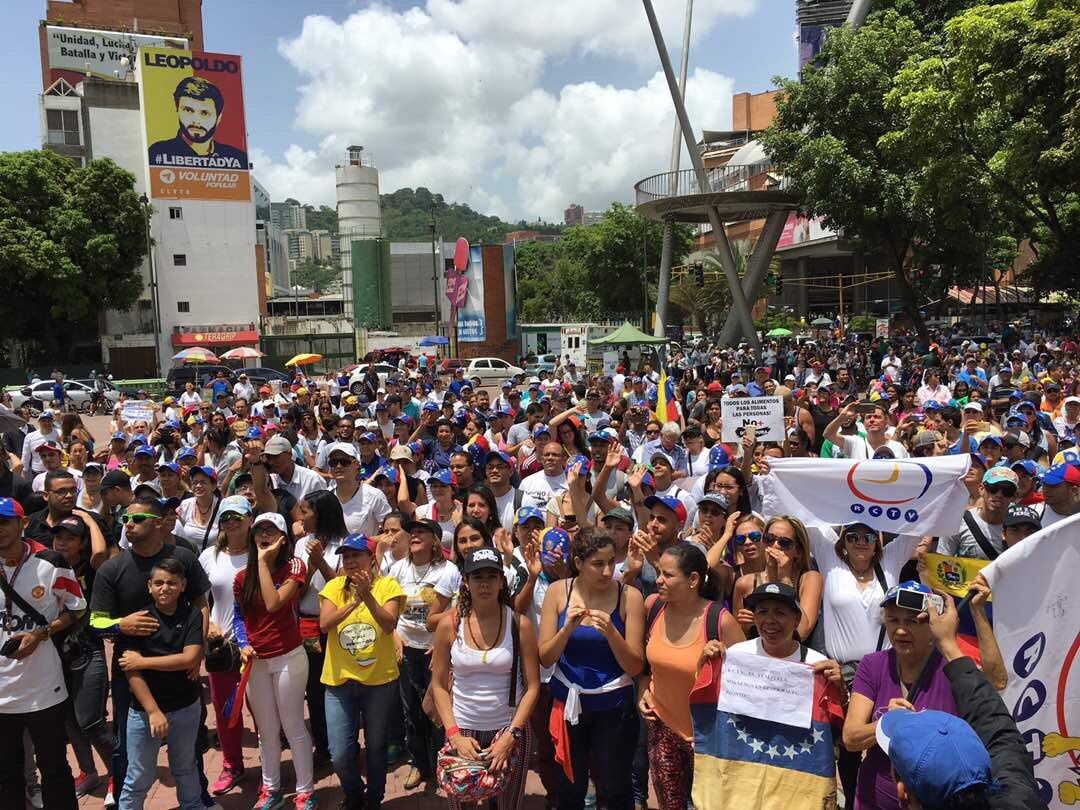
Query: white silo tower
column 359, row 213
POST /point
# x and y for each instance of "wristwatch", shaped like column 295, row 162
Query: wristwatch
column 517, row 733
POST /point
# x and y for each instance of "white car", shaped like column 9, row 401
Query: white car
column 488, row 371
column 79, row 394
column 356, row 379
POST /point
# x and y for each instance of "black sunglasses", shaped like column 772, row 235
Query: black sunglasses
column 783, row 542
column 1008, row 490
column 340, row 462
column 741, row 539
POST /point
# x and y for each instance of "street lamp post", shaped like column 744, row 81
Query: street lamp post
column 156, row 312
column 435, row 267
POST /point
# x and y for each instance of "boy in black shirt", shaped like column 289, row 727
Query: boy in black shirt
column 164, row 701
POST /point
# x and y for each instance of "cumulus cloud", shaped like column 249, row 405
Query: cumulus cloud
column 451, row 96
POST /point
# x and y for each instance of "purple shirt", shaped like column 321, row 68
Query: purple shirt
column 878, row 680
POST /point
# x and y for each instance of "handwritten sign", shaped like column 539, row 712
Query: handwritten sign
column 136, row 410
column 767, row 688
column 765, row 414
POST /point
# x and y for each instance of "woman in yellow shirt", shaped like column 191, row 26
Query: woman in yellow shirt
column 358, row 611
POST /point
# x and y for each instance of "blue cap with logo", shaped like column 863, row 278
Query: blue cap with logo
column 527, row 513
column 718, row 458
column 907, row 585
column 358, row 542
column 554, row 541
column 186, row 452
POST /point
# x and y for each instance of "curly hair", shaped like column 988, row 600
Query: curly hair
column 588, row 542
column 464, row 604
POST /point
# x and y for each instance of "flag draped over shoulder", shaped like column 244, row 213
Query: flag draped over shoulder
column 905, row 496
column 667, row 409
column 742, row 762
column 1037, row 625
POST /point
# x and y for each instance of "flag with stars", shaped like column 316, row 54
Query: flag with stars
column 737, row 757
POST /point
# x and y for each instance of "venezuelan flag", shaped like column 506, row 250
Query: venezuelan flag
column 742, row 762
column 667, row 408
column 953, row 575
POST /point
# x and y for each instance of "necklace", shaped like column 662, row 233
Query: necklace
column 490, row 647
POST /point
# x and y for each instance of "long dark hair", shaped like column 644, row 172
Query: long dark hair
column 464, row 604
column 472, row 523
column 329, row 517
column 690, row 560
column 249, row 593
column 485, row 492
column 743, row 504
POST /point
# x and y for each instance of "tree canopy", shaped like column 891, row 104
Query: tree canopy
column 315, row 276
column 71, row 243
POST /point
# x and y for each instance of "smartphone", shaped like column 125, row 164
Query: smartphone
column 9, row 647
column 866, row 407
column 918, row 417
column 911, row 599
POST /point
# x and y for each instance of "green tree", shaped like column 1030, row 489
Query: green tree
column 995, row 111
column 323, row 218
column 71, row 243
column 315, row 276
column 835, row 137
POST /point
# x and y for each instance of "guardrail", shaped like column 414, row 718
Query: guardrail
column 728, row 178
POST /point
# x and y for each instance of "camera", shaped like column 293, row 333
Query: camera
column 912, row 599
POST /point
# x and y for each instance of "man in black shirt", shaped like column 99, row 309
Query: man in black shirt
column 120, row 601
column 165, row 701
column 60, row 497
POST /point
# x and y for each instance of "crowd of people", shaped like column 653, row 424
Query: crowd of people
column 539, row 578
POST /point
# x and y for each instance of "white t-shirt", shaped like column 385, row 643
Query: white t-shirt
column 539, row 488
column 187, row 399
column 221, row 568
column 1049, row 516
column 505, row 506
column 421, row 585
column 365, row 510
column 309, row 599
column 858, row 448
column 303, row 481
column 755, row 647
column 188, row 529
column 853, row 617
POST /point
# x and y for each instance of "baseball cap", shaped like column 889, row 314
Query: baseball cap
column 403, row 420
column 272, row 518
column 541, row 430
column 527, row 513
column 277, row 445
column 1027, row 465
column 932, row 405
column 348, row 448
column 974, row 406
column 254, row 432
column 430, row 406
column 116, row 478
column 925, row 438
column 144, row 450
column 71, row 524
column 1020, row 515
column 481, row 559
column 498, row 455
column 580, row 461
column 907, row 585
column 444, row 477
column 401, row 451
column 358, row 542
column 186, row 452
column 235, row 505
column 1071, row 400
column 935, row 754
column 990, row 438
column 717, row 498
column 424, row 525
column 554, row 539
column 1000, row 475
column 773, row 590
column 1061, row 474
column 387, row 472
column 11, row 508
column 51, row 447
column 620, row 513
column 206, row 470
column 718, row 458
column 172, row 466
column 119, row 436
column 1017, row 436
column 674, row 504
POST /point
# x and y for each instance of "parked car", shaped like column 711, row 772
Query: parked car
column 180, row 376
column 356, row 379
column 260, row 375
column 79, row 394
column 450, row 364
column 535, row 365
column 490, row 371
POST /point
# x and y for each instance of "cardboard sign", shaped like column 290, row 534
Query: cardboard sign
column 767, row 688
column 764, row 414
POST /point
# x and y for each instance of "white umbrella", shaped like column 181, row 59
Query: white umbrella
column 242, row 353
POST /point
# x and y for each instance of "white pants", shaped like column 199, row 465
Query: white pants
column 275, row 694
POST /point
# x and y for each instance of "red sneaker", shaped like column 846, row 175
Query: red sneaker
column 86, row 783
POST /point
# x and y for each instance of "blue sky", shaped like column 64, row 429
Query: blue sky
column 487, row 101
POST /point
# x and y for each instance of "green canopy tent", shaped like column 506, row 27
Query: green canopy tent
column 628, row 335
column 821, row 322
column 778, row 332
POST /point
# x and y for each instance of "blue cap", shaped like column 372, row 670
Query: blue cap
column 1025, row 403
column 498, row 454
column 936, row 755
column 504, row 412
column 444, row 477
column 989, row 437
column 507, row 384
column 908, row 585
column 554, row 539
column 389, row 472
column 599, row 436
column 144, row 450
column 380, row 406
column 169, row 465
column 932, row 405
column 540, row 430
column 1027, row 465
column 1016, row 419
column 206, row 470
column 980, row 459
column 358, row 542
column 119, row 436
column 254, row 432
column 430, row 406
column 11, row 508
column 528, row 513
column 186, row 452
column 173, row 423
column 367, row 437
column 1061, row 474
column 718, row 458
column 577, row 460
column 236, row 504
column 674, row 504
column 403, row 420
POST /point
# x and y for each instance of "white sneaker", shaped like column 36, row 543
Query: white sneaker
column 33, row 795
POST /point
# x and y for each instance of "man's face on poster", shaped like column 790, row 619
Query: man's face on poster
column 198, row 118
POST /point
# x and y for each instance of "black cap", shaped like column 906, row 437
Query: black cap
column 1020, row 515
column 426, row 525
column 481, row 558
column 71, row 524
column 773, row 590
column 115, row 478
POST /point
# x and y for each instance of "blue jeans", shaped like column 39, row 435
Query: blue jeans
column 142, row 753
column 345, row 705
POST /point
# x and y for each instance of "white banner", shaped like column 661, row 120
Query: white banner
column 908, row 496
column 98, row 53
column 1037, row 624
column 765, row 414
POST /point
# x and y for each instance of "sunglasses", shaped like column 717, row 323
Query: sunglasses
column 652, row 432
column 229, row 517
column 861, row 538
column 783, row 542
column 340, row 462
column 138, row 517
column 742, row 539
column 1008, row 490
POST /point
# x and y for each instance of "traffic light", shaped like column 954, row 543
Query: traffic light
column 779, row 283
column 699, row 274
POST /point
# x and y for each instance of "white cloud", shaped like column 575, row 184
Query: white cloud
column 450, row 97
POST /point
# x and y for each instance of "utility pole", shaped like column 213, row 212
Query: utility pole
column 156, row 313
column 435, row 269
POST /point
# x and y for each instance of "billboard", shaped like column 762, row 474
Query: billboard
column 471, row 321
column 86, row 52
column 799, row 230
column 193, row 120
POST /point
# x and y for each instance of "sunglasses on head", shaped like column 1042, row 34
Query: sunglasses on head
column 1008, row 490
column 742, row 539
column 864, row 537
column 228, row 517
column 783, row 542
column 138, row 517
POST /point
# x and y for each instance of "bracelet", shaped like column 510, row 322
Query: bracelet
column 452, row 731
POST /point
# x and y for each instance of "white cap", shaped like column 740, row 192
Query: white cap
column 1067, row 400
column 278, row 445
column 974, row 406
column 270, row 517
column 348, row 448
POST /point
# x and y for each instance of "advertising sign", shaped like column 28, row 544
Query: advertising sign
column 765, row 414
column 193, row 108
column 799, row 229
column 881, row 328
column 471, row 321
column 98, row 53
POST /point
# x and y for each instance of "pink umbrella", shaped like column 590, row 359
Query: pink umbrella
column 242, row 353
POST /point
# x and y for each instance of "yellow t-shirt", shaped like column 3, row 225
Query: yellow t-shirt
column 358, row 649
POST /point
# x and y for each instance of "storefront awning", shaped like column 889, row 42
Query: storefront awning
column 243, row 337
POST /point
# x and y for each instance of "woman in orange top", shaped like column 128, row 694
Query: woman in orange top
column 679, row 642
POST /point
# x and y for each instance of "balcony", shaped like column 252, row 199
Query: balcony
column 741, row 191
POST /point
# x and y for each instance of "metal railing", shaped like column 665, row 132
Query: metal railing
column 728, row 178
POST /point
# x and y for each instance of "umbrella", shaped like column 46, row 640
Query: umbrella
column 9, row 421
column 821, row 322
column 778, row 332
column 303, row 360
column 196, row 354
column 242, row 353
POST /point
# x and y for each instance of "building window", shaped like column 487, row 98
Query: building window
column 183, row 306
column 63, row 126
column 176, row 212
column 179, row 260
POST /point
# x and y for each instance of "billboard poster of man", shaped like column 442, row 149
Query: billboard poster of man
column 193, row 116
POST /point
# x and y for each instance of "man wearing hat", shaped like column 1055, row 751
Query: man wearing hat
column 1061, row 492
column 1020, row 521
column 286, row 473
column 51, row 454
column 1066, row 422
column 243, row 389
column 980, row 533
column 664, row 519
column 144, row 467
column 46, row 432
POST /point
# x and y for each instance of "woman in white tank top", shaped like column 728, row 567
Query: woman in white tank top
column 487, row 715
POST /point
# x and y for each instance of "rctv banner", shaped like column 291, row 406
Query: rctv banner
column 908, row 496
column 193, row 108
